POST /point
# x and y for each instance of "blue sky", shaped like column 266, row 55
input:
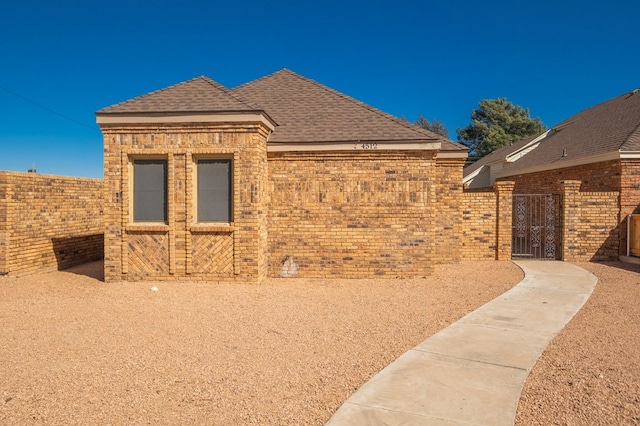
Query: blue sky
column 62, row 60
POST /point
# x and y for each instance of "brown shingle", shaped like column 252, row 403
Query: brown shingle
column 200, row 94
column 608, row 127
column 499, row 154
column 307, row 111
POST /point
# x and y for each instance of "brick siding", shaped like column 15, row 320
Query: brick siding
column 182, row 249
column 448, row 214
column 48, row 222
column 617, row 182
column 478, row 228
column 595, row 177
column 352, row 214
column 590, row 230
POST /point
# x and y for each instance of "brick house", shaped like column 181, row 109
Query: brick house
column 279, row 176
column 598, row 152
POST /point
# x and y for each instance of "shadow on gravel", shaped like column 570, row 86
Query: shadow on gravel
column 93, row 270
column 625, row 266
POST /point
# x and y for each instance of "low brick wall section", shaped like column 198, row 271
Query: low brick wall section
column 478, row 228
column 591, row 224
column 49, row 222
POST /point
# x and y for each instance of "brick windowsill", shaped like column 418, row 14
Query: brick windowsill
column 147, row 227
column 211, row 227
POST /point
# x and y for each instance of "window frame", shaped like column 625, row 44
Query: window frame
column 230, row 188
column 132, row 190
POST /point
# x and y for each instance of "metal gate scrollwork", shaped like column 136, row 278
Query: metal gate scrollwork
column 536, row 226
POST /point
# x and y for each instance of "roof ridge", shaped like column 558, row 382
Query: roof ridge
column 259, row 78
column 572, row 117
column 367, row 106
column 228, row 92
column 144, row 95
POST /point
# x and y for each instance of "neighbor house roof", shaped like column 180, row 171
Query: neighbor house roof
column 307, row 111
column 499, row 155
column 609, row 130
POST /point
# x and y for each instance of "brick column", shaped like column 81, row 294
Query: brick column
column 504, row 219
column 448, row 220
column 570, row 215
column 4, row 228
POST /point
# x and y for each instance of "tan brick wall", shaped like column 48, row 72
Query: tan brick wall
column 590, row 230
column 48, row 222
column 182, row 249
column 479, row 220
column 596, row 177
column 629, row 197
column 352, row 214
column 504, row 229
column 448, row 218
column 4, row 226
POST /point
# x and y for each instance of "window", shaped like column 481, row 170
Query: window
column 150, row 190
column 215, row 200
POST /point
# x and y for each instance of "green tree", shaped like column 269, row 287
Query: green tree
column 436, row 126
column 496, row 123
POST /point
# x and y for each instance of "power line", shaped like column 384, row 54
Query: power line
column 46, row 108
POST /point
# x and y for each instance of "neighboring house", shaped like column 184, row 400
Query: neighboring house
column 483, row 173
column 277, row 177
column 599, row 147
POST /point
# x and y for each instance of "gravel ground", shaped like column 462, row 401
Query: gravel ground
column 74, row 350
column 590, row 373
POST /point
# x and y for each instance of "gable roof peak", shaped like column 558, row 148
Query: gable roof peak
column 286, row 82
column 199, row 94
column 307, row 111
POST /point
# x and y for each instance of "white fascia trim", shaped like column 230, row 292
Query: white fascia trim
column 472, row 175
column 250, row 117
column 616, row 155
column 509, row 158
column 352, row 146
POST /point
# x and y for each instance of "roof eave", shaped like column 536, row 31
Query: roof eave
column 536, row 141
column 598, row 158
column 355, row 145
column 468, row 178
column 161, row 117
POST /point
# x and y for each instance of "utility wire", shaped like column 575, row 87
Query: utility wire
column 46, row 108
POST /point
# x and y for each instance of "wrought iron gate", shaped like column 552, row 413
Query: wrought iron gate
column 537, row 227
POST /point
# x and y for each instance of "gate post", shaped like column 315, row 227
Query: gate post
column 504, row 219
column 570, row 222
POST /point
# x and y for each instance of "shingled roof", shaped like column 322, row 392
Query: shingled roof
column 200, row 94
column 304, row 110
column 498, row 155
column 611, row 128
column 307, row 111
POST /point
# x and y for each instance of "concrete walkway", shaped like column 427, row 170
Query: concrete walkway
column 472, row 372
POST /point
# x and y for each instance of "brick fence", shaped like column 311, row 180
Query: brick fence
column 49, row 222
column 54, row 222
column 590, row 223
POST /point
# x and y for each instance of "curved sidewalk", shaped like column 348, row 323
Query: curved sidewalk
column 472, row 372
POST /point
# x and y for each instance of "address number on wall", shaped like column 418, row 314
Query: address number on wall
column 365, row 146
